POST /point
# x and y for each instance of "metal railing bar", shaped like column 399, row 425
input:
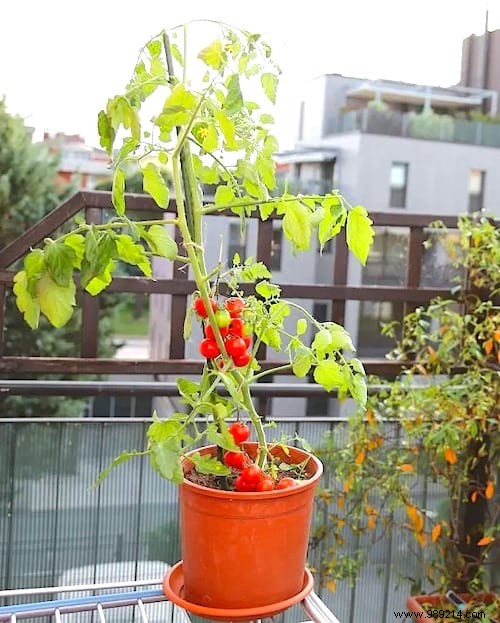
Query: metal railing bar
column 19, row 592
column 152, row 388
column 142, row 611
column 100, row 613
column 78, row 604
column 317, row 609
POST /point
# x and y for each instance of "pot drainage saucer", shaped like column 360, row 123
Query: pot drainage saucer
column 173, row 588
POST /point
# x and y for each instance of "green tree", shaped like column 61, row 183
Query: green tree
column 27, row 193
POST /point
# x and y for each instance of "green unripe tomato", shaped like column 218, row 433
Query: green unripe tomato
column 222, row 318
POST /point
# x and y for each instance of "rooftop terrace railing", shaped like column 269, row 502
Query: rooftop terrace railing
column 430, row 126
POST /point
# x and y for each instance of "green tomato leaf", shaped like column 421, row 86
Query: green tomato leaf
column 118, row 191
column 360, row 233
column 297, row 224
column 133, row 253
column 269, row 85
column 212, row 55
column 224, row 195
column 106, row 131
column 234, row 99
column 160, row 241
column 322, row 341
column 340, row 338
column 267, row 290
column 154, row 184
column 167, row 462
column 56, row 302
column 77, row 243
column 211, row 140
column 357, row 387
column 302, row 362
column 272, row 338
column 329, row 374
column 301, row 326
column 122, row 458
column 26, row 304
column 206, row 464
column 266, row 170
column 227, row 129
column 60, row 260
column 224, row 439
column 101, row 281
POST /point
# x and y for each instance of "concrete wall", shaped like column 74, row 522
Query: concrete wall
column 438, row 175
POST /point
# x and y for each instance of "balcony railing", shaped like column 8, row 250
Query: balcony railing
column 54, row 530
column 429, row 126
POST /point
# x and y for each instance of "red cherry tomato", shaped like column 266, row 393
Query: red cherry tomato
column 265, row 484
column 242, row 360
column 209, row 349
column 236, row 327
column 234, row 306
column 199, row 307
column 222, row 318
column 239, row 431
column 252, row 474
column 209, row 332
column 248, row 341
column 235, row 346
column 235, row 459
column 243, row 485
column 286, row 483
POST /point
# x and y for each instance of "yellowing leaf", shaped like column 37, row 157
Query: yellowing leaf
column 297, row 225
column 473, row 497
column 415, row 517
column 212, row 54
column 406, row 467
column 154, row 184
column 450, row 456
column 360, row 457
column 370, row 418
column 486, row 540
column 489, row 492
column 372, row 520
column 341, row 500
column 56, row 302
column 436, row 531
column 496, row 335
column 359, row 232
column 118, row 191
column 488, row 346
column 26, row 304
column 421, row 539
column 331, row 585
column 269, row 85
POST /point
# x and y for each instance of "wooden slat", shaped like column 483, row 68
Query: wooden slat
column 177, row 348
column 35, row 234
column 297, row 291
column 340, row 266
column 414, row 263
column 2, row 318
column 90, row 304
column 77, row 365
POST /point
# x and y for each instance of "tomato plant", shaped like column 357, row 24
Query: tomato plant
column 197, row 115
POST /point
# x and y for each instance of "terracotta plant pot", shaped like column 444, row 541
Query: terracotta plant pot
column 415, row 604
column 246, row 550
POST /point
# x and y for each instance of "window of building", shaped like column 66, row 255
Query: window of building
column 372, row 315
column 477, row 181
column 399, row 184
column 387, row 260
column 320, row 311
column 276, row 246
column 237, row 243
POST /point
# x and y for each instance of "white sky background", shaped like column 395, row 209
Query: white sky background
column 61, row 60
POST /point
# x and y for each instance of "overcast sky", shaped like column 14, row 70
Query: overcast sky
column 60, row 60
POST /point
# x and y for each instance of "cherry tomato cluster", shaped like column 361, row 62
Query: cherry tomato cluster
column 251, row 477
column 235, row 333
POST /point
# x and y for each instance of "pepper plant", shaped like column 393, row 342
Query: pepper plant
column 193, row 114
column 433, row 429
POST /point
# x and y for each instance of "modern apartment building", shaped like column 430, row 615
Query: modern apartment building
column 390, row 146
